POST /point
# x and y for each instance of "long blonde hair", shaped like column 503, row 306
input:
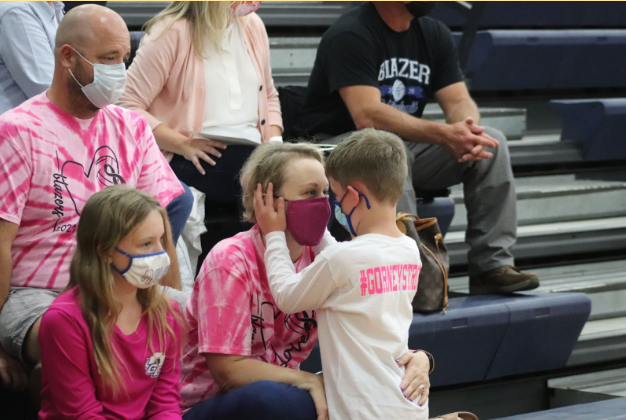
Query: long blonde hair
column 208, row 21
column 106, row 219
column 267, row 164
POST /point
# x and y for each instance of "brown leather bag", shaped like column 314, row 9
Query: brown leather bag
column 461, row 415
column 432, row 290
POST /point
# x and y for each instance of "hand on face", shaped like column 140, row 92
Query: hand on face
column 269, row 218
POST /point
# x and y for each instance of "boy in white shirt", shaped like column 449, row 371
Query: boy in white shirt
column 362, row 289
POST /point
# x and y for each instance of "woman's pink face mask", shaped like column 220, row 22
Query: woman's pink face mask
column 244, row 8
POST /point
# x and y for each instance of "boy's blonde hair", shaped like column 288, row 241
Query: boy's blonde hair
column 267, row 164
column 374, row 157
column 108, row 216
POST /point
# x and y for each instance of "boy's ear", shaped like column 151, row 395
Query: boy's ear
column 354, row 193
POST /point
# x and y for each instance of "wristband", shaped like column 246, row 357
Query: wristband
column 431, row 359
column 278, row 139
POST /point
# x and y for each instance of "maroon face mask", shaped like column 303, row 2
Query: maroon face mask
column 307, row 220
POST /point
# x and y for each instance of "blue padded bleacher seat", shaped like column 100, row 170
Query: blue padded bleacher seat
column 489, row 336
column 543, row 330
column 547, row 59
column 544, row 14
column 598, row 125
column 614, row 409
column 464, row 340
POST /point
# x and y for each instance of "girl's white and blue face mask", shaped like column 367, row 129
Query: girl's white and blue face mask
column 144, row 270
column 345, row 220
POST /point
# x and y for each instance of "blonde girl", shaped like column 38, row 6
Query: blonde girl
column 110, row 342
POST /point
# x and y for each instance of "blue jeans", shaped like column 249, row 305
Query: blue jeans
column 178, row 211
column 263, row 400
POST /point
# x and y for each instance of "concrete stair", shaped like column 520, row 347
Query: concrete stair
column 586, row 388
column 274, row 13
column 557, row 198
column 554, row 239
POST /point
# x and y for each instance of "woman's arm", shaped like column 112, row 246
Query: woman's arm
column 25, row 50
column 232, row 372
column 65, row 368
column 151, row 68
column 147, row 77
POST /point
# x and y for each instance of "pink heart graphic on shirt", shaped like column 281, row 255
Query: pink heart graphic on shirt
column 107, row 172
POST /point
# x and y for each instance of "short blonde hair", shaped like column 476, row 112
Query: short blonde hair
column 267, row 164
column 374, row 157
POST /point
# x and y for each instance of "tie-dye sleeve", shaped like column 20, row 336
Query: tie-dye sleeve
column 156, row 177
column 223, row 313
column 15, row 176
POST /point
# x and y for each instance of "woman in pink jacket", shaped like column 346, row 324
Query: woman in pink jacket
column 205, row 67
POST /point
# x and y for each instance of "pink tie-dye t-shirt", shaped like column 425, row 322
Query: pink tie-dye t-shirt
column 232, row 311
column 52, row 162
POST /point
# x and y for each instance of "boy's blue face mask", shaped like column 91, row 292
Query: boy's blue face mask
column 345, row 220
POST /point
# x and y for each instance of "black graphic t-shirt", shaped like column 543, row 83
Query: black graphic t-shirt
column 360, row 49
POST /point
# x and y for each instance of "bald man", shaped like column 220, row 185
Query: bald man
column 57, row 149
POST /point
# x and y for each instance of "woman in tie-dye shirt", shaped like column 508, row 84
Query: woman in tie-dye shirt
column 243, row 354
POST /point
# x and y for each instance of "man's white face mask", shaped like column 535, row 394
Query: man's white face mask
column 109, row 82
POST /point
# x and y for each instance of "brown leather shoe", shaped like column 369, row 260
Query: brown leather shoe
column 502, row 280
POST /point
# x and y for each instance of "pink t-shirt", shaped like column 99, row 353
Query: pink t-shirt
column 232, row 311
column 52, row 163
column 71, row 386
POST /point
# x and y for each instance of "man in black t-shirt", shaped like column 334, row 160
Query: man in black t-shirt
column 378, row 66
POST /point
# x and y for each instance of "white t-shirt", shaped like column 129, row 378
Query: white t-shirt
column 363, row 291
column 231, row 107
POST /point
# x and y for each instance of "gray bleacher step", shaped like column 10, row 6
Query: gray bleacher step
column 603, row 282
column 554, row 239
column 544, row 149
column 511, row 121
column 273, row 13
column 588, row 387
column 557, row 198
column 136, row 13
column 292, row 59
column 601, row 340
column 298, row 13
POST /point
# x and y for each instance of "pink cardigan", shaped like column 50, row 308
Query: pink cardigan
column 166, row 82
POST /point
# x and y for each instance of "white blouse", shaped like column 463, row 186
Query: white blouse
column 232, row 103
